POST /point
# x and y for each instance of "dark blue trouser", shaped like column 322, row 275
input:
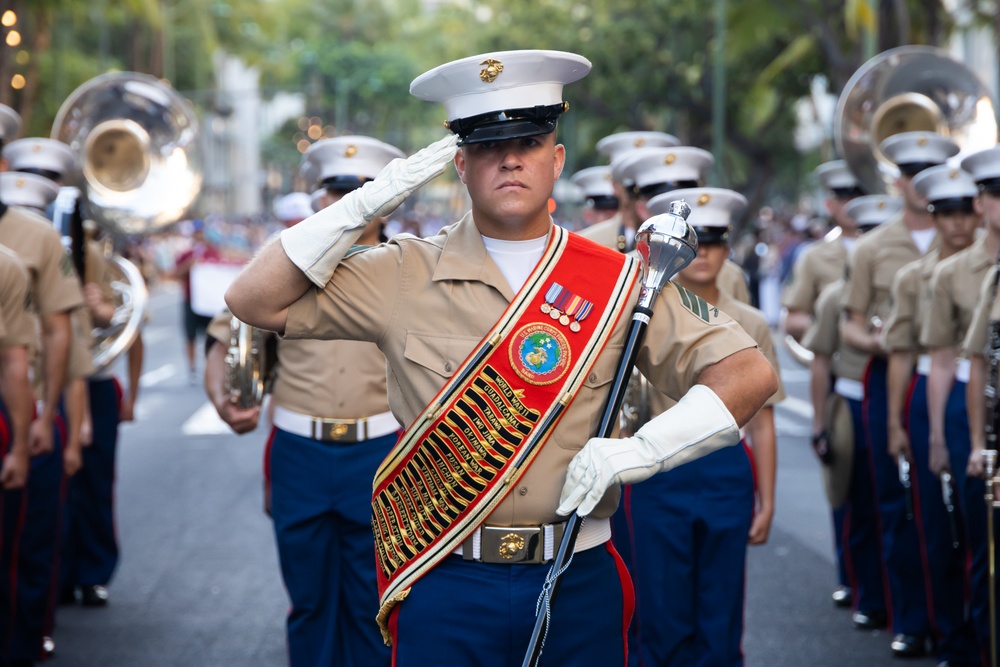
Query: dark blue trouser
column 971, row 495
column 900, row 538
column 944, row 542
column 482, row 614
column 321, row 507
column 38, row 550
column 862, row 538
column 840, row 527
column 690, row 527
column 90, row 552
column 12, row 515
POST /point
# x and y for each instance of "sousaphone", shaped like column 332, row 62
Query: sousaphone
column 136, row 140
column 907, row 89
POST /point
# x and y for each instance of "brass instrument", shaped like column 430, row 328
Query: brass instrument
column 636, row 407
column 907, row 89
column 249, row 362
column 136, row 141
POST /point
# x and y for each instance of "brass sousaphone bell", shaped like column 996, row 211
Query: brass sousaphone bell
column 136, row 141
column 906, row 89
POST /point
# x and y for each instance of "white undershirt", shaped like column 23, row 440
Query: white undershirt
column 516, row 259
column 922, row 238
column 848, row 243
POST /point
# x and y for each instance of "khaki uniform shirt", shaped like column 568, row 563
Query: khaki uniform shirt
column 954, row 291
column 823, row 337
column 607, row 233
column 54, row 285
column 331, row 379
column 911, row 296
column 428, row 302
column 878, row 257
column 819, row 265
column 987, row 309
column 18, row 327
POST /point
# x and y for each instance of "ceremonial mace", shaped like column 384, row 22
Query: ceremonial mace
column 665, row 245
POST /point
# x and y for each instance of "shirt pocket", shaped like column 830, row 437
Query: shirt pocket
column 439, row 353
column 583, row 416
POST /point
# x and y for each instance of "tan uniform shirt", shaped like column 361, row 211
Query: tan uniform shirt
column 911, row 296
column 819, row 265
column 877, row 258
column 987, row 309
column 54, row 285
column 332, row 379
column 18, row 327
column 428, row 302
column 823, row 337
column 953, row 293
column 607, row 233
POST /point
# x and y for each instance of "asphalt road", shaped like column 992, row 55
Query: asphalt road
column 198, row 584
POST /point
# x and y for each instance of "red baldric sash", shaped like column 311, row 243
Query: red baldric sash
column 459, row 460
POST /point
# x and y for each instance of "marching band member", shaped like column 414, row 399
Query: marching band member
column 691, row 525
column 598, row 188
column 55, row 293
column 877, row 258
column 819, row 265
column 965, row 437
column 836, row 383
column 332, row 428
column 453, row 513
column 916, row 408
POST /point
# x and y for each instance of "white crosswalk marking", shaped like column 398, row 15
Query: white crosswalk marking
column 205, row 421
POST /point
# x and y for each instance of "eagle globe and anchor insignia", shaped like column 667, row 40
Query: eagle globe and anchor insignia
column 539, row 353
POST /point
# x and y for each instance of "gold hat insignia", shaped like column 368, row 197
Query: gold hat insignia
column 881, row 204
column 922, row 141
column 670, row 159
column 954, row 174
column 639, row 142
column 19, row 183
column 351, row 151
column 491, row 71
column 704, row 199
column 36, row 148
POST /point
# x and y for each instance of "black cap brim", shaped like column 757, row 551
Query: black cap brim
column 952, row 205
column 344, row 183
column 650, row 191
column 990, row 185
column 913, row 168
column 508, row 124
column 712, row 235
column 604, row 202
column 847, row 193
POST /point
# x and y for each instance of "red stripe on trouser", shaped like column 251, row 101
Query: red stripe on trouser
column 628, row 595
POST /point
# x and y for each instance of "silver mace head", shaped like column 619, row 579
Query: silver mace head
column 666, row 244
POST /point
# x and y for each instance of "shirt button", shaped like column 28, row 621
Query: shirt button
column 523, row 490
column 593, row 377
column 447, row 367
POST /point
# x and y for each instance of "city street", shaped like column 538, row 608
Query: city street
column 198, row 582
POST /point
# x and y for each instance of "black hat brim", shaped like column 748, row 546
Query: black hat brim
column 508, row 124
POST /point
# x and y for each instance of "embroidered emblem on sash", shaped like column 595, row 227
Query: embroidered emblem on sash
column 539, row 353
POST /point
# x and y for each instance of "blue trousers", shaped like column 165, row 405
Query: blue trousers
column 482, row 614
column 690, row 527
column 971, row 492
column 901, row 543
column 944, row 551
column 861, row 536
column 38, row 551
column 12, row 513
column 321, row 508
column 90, row 551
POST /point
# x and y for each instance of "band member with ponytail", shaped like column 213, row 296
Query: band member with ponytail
column 332, row 428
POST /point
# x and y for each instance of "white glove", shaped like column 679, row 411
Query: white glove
column 317, row 244
column 698, row 425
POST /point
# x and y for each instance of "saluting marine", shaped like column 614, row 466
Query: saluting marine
column 54, row 293
column 916, row 409
column 332, row 429
column 819, row 265
column 837, row 391
column 691, row 525
column 875, row 262
column 456, row 317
